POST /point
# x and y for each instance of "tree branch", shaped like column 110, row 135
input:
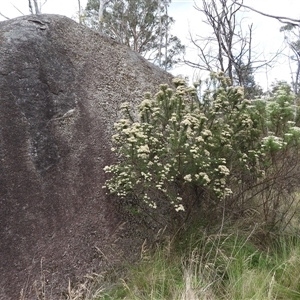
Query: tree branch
column 17, row 9
column 4, row 16
column 285, row 20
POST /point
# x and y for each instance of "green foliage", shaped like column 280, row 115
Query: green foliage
column 224, row 265
column 276, row 117
column 142, row 25
column 180, row 149
column 292, row 39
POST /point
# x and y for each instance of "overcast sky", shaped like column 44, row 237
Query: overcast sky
column 267, row 39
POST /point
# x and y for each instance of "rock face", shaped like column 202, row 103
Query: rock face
column 60, row 89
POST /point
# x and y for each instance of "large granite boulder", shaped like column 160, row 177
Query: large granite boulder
column 61, row 85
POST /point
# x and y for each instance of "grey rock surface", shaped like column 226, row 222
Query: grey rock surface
column 61, row 85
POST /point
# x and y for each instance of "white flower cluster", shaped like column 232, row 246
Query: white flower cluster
column 123, row 123
column 143, row 151
column 240, row 91
column 206, row 133
column 173, row 118
column 146, row 104
column 179, row 81
column 203, row 178
column 179, row 207
column 222, row 169
column 273, row 140
column 295, row 128
column 188, row 178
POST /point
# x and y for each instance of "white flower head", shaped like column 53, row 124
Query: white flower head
column 295, row 128
column 240, row 90
column 205, row 177
column 152, row 205
column 223, row 170
column 188, row 178
column 179, row 207
column 206, row 132
column 143, row 149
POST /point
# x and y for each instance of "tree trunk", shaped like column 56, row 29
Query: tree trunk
column 166, row 39
column 102, row 5
column 36, row 6
column 160, row 35
column 79, row 12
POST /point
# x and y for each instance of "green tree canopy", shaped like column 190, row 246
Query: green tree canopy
column 292, row 38
column 142, row 25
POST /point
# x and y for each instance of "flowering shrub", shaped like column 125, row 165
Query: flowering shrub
column 182, row 149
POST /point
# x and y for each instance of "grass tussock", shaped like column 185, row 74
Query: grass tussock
column 225, row 265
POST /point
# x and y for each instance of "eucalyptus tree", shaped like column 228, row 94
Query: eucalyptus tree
column 292, row 38
column 142, row 25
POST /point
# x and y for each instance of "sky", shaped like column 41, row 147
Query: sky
column 266, row 38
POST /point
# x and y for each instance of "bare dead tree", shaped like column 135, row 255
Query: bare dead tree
column 30, row 7
column 292, row 37
column 37, row 7
column 229, row 48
